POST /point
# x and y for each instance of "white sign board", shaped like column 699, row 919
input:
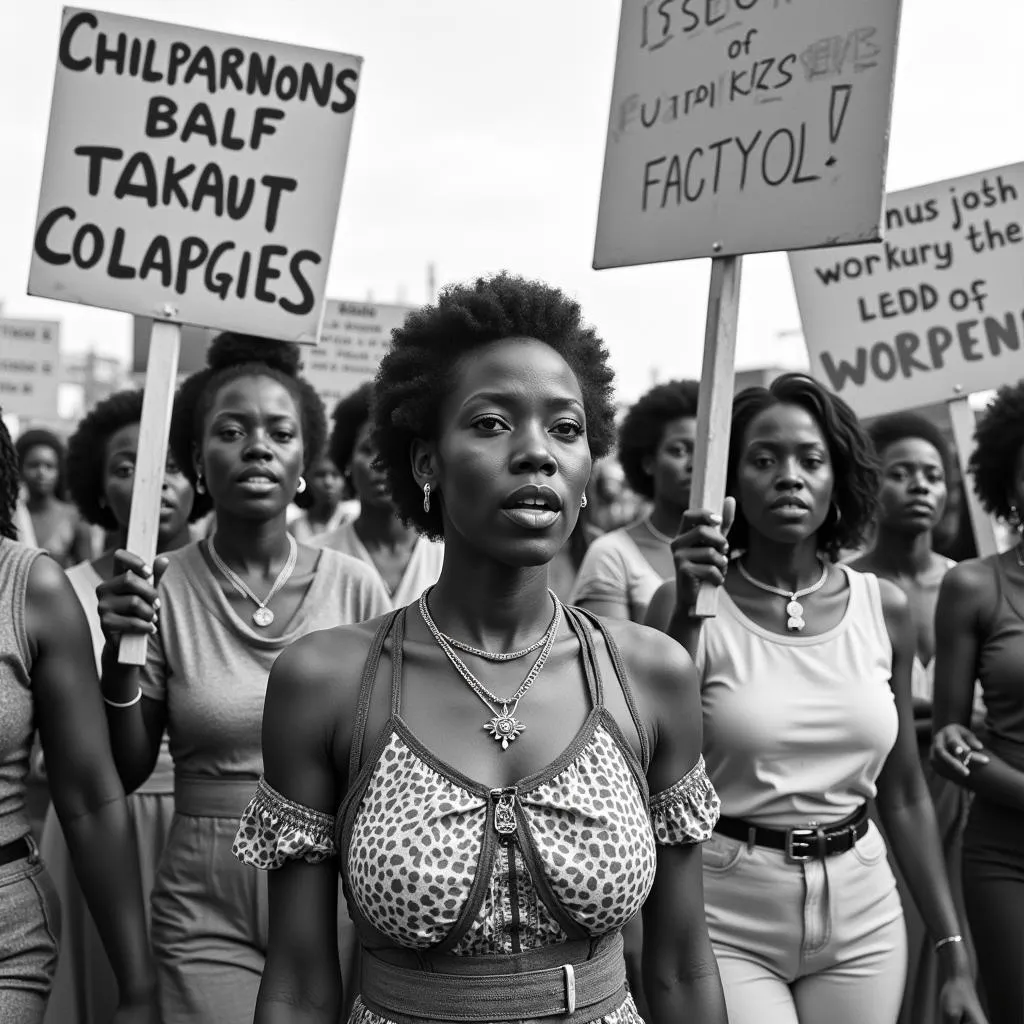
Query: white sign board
column 354, row 338
column 29, row 368
column 742, row 126
column 935, row 311
column 192, row 176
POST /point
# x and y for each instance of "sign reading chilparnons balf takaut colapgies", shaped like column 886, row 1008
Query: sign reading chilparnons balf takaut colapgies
column 742, row 126
column 192, row 176
column 935, row 311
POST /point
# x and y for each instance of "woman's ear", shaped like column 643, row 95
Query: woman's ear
column 423, row 462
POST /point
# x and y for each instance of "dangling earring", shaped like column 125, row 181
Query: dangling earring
column 200, row 486
column 301, row 485
column 1014, row 519
column 584, row 502
column 426, row 497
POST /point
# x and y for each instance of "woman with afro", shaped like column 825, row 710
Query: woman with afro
column 979, row 630
column 622, row 569
column 101, row 459
column 217, row 615
column 492, row 751
column 805, row 690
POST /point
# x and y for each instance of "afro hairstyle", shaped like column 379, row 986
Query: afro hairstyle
column 644, row 426
column 422, row 366
column 230, row 357
column 999, row 439
column 39, row 438
column 899, row 426
column 349, row 416
column 87, row 453
column 855, row 469
column 10, row 483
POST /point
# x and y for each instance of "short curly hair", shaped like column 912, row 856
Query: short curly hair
column 855, row 466
column 899, row 426
column 421, row 366
column 998, row 440
column 39, row 438
column 349, row 416
column 644, row 426
column 229, row 357
column 87, row 453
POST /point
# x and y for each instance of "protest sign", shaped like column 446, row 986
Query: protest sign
column 192, row 177
column 194, row 343
column 936, row 311
column 742, row 126
column 353, row 339
column 29, row 367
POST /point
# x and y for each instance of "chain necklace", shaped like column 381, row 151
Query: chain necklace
column 504, row 727
column 656, row 533
column 794, row 609
column 263, row 616
column 498, row 655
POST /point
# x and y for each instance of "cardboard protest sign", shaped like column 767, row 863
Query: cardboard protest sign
column 191, row 175
column 353, row 340
column 935, row 312
column 742, row 126
column 29, row 367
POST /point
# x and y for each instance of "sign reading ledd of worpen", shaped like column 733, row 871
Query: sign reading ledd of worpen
column 192, row 176
column 742, row 126
column 935, row 311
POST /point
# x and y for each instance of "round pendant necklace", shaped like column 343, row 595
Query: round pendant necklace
column 794, row 609
column 263, row 616
column 504, row 727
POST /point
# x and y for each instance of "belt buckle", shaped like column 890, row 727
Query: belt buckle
column 798, row 835
column 570, row 988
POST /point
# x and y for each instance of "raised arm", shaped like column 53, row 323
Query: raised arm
column 86, row 791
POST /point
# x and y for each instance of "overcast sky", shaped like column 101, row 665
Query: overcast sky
column 478, row 145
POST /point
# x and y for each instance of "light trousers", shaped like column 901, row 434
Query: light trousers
column 806, row 943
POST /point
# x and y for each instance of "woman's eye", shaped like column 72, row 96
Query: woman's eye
column 124, row 472
column 229, row 433
column 568, row 428
column 283, row 436
column 488, row 423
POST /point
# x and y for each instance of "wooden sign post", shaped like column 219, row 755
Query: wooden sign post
column 741, row 131
column 192, row 177
column 962, row 417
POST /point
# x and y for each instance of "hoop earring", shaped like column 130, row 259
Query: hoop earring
column 200, row 486
column 584, row 502
column 426, row 497
column 839, row 514
column 301, row 485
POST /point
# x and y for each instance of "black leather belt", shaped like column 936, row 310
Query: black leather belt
column 811, row 842
column 19, row 849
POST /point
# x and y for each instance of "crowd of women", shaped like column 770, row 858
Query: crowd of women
column 466, row 689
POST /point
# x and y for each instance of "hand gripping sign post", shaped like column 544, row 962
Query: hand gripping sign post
column 193, row 177
column 933, row 315
column 742, row 126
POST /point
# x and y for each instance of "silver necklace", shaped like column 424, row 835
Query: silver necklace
column 497, row 655
column 794, row 609
column 655, row 533
column 263, row 616
column 503, row 727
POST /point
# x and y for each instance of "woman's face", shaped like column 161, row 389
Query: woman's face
column 784, row 476
column 40, row 470
column 369, row 483
column 671, row 465
column 913, row 494
column 252, row 452
column 176, row 496
column 325, row 483
column 512, row 460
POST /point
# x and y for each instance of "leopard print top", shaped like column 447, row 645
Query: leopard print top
column 432, row 863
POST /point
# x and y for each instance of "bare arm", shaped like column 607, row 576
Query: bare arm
column 606, row 609
column 86, row 791
column 961, row 622
column 909, row 817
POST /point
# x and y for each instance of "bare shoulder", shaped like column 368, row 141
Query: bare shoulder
column 969, row 587
column 894, row 600
column 659, row 668
column 49, row 593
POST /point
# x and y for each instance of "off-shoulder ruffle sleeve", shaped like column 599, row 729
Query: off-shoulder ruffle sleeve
column 687, row 811
column 274, row 830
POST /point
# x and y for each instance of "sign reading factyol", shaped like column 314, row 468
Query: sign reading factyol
column 935, row 311
column 192, row 176
column 742, row 126
column 29, row 367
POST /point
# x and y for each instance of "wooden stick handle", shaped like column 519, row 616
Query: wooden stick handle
column 962, row 418
column 151, row 462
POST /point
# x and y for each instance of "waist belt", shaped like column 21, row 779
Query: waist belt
column 201, row 796
column 577, row 991
column 812, row 842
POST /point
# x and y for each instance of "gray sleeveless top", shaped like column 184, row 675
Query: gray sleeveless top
column 17, row 724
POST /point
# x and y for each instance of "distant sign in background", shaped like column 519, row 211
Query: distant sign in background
column 29, row 367
column 354, row 338
column 935, row 311
column 192, row 176
column 746, row 126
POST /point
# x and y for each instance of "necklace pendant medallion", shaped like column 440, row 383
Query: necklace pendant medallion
column 504, row 728
column 505, row 814
column 263, row 617
column 795, row 622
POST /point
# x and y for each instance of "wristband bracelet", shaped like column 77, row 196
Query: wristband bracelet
column 133, row 701
column 947, row 940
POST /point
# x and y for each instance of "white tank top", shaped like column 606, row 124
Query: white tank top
column 797, row 728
